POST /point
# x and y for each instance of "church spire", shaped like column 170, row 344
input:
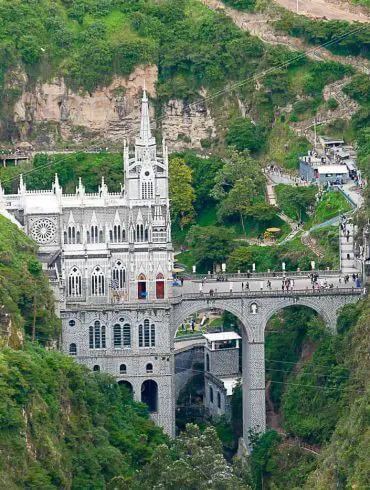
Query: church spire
column 145, row 132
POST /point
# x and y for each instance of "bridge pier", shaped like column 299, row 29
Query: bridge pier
column 254, row 406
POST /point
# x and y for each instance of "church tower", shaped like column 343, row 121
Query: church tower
column 146, row 174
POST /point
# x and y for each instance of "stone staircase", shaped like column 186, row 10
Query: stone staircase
column 347, row 258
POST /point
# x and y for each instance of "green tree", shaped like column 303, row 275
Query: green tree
column 194, row 460
column 262, row 212
column 210, row 245
column 181, row 192
column 239, row 183
column 243, row 134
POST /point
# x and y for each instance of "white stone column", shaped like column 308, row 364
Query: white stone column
column 254, row 408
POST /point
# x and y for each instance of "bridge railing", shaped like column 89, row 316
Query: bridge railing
column 253, row 294
column 225, row 276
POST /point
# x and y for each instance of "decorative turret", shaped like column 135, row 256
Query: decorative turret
column 22, row 186
column 56, row 187
column 103, row 189
column 80, row 190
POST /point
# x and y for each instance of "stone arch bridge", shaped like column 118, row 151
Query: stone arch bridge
column 254, row 309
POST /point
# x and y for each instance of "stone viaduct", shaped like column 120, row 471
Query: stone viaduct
column 254, row 309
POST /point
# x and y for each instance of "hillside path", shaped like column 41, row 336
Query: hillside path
column 259, row 25
column 327, row 9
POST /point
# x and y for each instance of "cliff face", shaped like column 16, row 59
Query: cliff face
column 51, row 113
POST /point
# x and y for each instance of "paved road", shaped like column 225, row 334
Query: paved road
column 322, row 8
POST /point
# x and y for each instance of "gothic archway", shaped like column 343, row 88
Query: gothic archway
column 159, row 286
column 141, row 287
column 149, row 394
column 127, row 386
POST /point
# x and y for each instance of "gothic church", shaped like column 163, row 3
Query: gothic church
column 110, row 258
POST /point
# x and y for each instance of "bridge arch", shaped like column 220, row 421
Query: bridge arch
column 328, row 315
column 186, row 309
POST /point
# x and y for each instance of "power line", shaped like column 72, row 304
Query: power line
column 273, row 68
column 286, row 382
column 50, row 163
column 233, row 86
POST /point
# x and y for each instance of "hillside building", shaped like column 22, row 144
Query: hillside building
column 110, row 259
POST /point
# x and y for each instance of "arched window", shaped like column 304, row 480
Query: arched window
column 218, row 399
column 117, row 336
column 88, row 237
column 97, row 282
column 146, row 235
column 119, row 275
column 149, row 367
column 96, row 367
column 71, row 234
column 72, row 349
column 97, row 336
column 111, row 235
column 147, row 334
column 159, row 286
column 101, row 237
column 78, row 237
column 207, row 363
column 123, row 235
column 123, row 369
column 141, row 287
column 211, row 394
column 74, row 282
column 121, row 335
column 94, row 234
column 149, row 394
column 126, row 386
column 137, row 233
column 116, row 233
column 65, row 238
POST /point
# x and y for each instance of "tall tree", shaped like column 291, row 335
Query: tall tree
column 194, row 460
column 239, row 183
column 181, row 192
column 210, row 245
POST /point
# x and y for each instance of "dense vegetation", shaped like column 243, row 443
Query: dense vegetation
column 24, row 290
column 323, row 400
column 355, row 41
column 65, row 427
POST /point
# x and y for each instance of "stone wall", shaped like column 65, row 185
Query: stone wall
column 184, row 360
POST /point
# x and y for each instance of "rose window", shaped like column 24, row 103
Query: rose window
column 43, row 231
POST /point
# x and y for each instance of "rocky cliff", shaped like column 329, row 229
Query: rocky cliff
column 50, row 114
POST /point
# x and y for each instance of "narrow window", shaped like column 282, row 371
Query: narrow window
column 126, row 335
column 72, row 349
column 211, row 394
column 152, row 335
column 141, row 336
column 123, row 369
column 146, row 333
column 149, row 368
column 218, row 399
column 117, row 337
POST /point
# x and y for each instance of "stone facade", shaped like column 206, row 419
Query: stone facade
column 110, row 257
